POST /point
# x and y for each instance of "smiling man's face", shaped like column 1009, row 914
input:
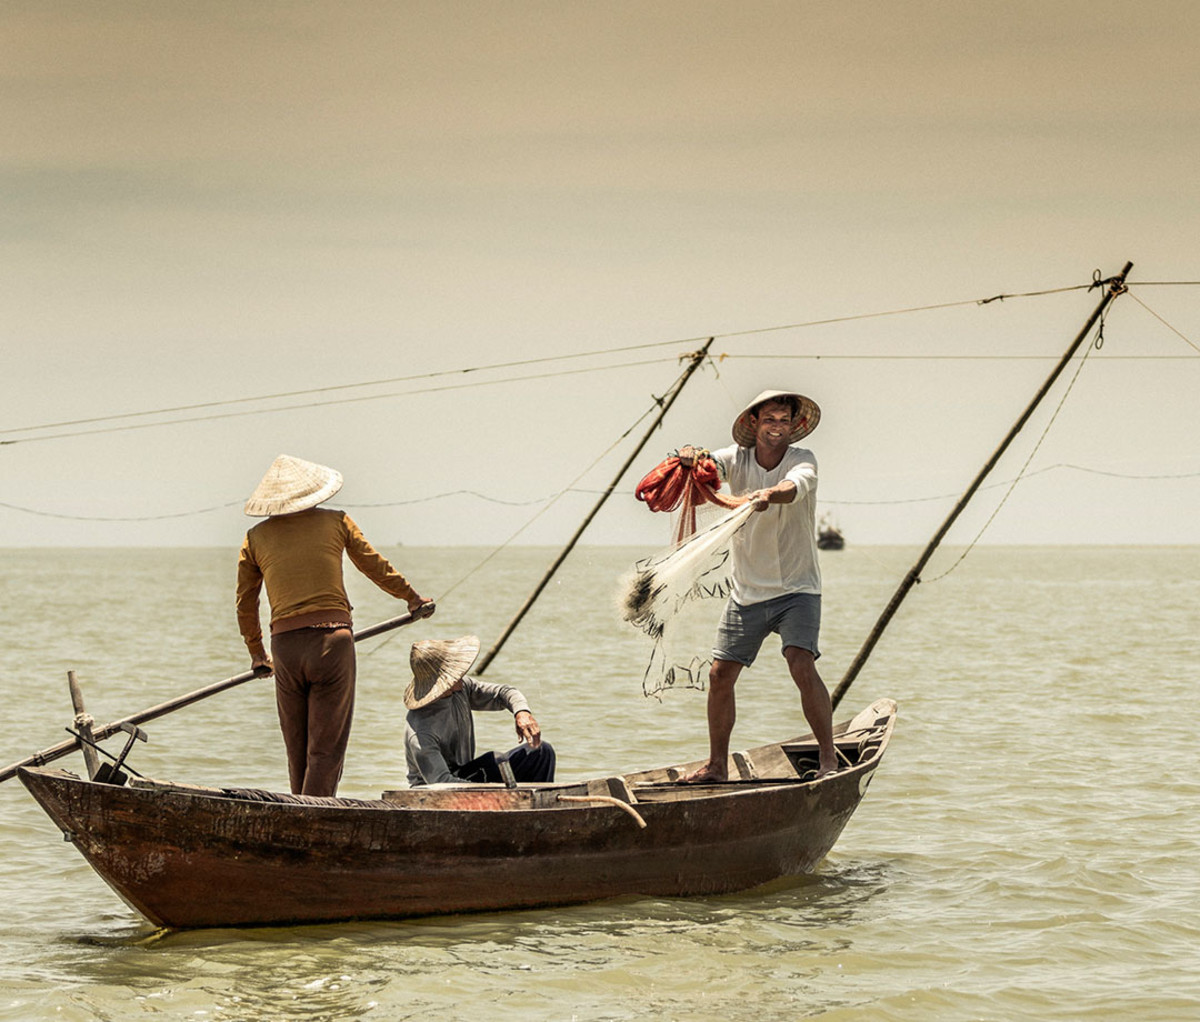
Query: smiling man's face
column 773, row 424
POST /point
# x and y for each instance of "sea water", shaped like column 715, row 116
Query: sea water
column 1027, row 850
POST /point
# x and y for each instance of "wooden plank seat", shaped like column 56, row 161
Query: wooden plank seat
column 486, row 796
column 674, row 791
column 852, row 747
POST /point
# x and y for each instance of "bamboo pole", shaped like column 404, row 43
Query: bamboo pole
column 1116, row 285
column 162, row 709
column 697, row 359
column 83, row 724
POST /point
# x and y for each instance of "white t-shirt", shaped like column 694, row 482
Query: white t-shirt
column 775, row 553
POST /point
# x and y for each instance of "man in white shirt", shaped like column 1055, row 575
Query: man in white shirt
column 776, row 578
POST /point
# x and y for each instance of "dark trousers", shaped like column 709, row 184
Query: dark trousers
column 314, row 693
column 528, row 765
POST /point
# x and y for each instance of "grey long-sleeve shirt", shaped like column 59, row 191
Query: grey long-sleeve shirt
column 440, row 737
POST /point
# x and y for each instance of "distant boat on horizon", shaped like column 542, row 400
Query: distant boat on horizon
column 829, row 536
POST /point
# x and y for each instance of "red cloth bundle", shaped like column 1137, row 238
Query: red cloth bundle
column 671, row 485
column 663, row 489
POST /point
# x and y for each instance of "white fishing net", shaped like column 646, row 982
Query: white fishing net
column 672, row 597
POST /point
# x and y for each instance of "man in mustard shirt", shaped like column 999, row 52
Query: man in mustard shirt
column 297, row 554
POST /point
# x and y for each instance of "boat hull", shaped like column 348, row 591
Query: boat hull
column 189, row 857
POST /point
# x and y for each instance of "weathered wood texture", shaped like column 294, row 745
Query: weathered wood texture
column 186, row 856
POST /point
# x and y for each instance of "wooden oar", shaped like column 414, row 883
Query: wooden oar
column 162, row 709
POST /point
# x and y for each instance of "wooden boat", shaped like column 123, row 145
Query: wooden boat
column 188, row 856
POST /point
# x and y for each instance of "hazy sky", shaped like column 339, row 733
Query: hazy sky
column 206, row 202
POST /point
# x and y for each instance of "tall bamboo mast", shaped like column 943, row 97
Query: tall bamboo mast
column 1116, row 286
column 697, row 359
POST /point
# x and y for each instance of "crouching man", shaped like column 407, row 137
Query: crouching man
column 439, row 732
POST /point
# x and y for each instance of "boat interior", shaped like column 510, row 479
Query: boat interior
column 784, row 763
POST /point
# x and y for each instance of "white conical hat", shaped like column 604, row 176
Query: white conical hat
column 437, row 664
column 290, row 485
column 804, row 423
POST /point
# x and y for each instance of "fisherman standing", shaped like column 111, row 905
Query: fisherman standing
column 776, row 578
column 297, row 553
column 439, row 732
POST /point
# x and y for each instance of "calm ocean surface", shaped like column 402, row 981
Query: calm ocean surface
column 1028, row 849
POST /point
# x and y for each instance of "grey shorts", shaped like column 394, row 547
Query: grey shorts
column 795, row 616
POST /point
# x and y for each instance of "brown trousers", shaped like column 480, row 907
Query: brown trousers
column 314, row 692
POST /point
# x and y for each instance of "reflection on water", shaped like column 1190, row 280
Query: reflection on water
column 592, row 955
column 1026, row 850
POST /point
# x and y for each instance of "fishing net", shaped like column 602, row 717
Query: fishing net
column 670, row 596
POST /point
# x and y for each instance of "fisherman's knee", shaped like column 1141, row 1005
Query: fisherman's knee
column 802, row 664
column 723, row 674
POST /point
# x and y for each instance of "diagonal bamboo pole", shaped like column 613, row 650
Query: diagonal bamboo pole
column 162, row 709
column 698, row 358
column 1116, row 286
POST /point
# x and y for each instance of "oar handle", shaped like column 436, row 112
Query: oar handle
column 162, row 709
column 425, row 610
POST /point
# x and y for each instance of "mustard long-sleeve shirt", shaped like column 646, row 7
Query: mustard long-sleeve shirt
column 299, row 558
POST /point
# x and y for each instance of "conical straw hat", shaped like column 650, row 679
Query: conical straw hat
column 804, row 423
column 437, row 664
column 290, row 485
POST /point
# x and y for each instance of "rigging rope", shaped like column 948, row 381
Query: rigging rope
column 108, row 518
column 1177, row 333
column 341, row 386
column 322, row 404
column 516, row 363
column 550, row 503
column 384, row 381
column 1096, row 345
column 818, row 357
column 603, row 454
column 830, row 501
column 835, row 502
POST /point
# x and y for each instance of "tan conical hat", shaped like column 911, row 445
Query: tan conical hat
column 290, row 485
column 437, row 664
column 804, row 423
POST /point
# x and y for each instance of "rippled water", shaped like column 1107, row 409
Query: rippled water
column 1028, row 849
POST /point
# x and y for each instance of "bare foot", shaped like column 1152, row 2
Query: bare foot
column 826, row 770
column 707, row 774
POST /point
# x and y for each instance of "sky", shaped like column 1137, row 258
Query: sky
column 458, row 250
